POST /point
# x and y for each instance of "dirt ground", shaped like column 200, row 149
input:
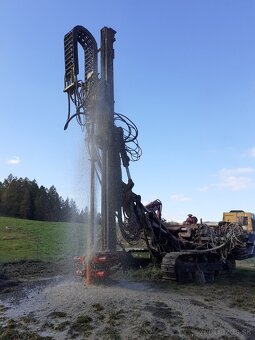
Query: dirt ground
column 41, row 300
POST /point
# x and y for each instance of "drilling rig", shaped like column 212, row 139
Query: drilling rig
column 184, row 252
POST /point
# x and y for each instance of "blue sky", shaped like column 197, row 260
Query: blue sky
column 184, row 73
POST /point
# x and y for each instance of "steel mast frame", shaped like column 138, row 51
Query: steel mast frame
column 93, row 98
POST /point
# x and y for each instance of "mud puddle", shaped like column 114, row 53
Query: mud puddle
column 61, row 307
column 135, row 286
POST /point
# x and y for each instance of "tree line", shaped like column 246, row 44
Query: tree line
column 23, row 198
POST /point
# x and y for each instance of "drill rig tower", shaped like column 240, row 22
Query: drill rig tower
column 93, row 100
column 184, row 252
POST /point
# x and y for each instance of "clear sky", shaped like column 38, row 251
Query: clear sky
column 184, row 73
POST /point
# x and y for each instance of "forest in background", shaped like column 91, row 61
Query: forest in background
column 23, row 198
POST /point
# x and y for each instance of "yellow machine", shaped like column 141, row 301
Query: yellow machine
column 246, row 219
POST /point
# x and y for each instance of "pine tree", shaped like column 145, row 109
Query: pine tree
column 23, row 198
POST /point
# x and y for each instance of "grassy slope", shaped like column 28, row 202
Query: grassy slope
column 25, row 239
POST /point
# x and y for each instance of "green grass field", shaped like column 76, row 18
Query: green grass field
column 35, row 240
column 48, row 241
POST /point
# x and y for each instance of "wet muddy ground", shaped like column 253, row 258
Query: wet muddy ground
column 46, row 301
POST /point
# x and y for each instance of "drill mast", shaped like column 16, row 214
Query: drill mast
column 93, row 98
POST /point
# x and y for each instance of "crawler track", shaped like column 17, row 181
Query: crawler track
column 168, row 266
column 187, row 266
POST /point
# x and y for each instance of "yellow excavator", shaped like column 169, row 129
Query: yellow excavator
column 245, row 219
